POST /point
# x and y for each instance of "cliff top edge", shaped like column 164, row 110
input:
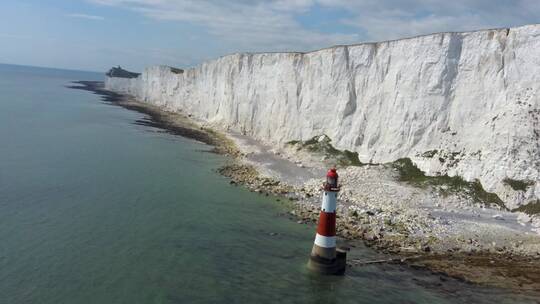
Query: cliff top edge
column 508, row 29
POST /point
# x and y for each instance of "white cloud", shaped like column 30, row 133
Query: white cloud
column 292, row 5
column 244, row 25
column 391, row 19
column 85, row 16
column 15, row 36
column 274, row 25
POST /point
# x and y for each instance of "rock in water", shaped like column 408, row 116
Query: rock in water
column 498, row 217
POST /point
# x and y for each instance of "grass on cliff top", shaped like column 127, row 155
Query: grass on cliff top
column 321, row 144
column 409, row 173
column 176, row 70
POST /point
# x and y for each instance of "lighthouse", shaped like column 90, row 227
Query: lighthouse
column 324, row 258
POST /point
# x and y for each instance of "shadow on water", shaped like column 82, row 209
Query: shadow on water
column 155, row 119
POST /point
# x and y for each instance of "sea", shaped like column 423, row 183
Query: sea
column 97, row 208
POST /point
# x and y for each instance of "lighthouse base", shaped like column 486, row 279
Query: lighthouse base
column 329, row 267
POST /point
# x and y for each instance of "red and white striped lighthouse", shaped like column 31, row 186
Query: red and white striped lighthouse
column 324, row 256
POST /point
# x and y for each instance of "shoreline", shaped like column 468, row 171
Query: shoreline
column 158, row 118
column 498, row 266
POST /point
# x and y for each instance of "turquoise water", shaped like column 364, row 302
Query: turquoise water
column 97, row 209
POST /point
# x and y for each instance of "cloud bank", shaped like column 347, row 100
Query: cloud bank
column 304, row 25
column 85, row 16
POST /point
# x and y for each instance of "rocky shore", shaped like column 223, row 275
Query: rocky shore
column 424, row 227
column 466, row 259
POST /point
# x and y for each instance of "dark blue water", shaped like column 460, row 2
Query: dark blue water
column 97, row 209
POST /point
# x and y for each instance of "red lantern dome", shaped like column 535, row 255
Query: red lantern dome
column 331, row 180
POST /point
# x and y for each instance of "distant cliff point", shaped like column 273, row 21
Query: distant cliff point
column 121, row 73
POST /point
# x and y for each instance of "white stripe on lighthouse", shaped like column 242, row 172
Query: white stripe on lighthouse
column 329, row 202
column 325, row 241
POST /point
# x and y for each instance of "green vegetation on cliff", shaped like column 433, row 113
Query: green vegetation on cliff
column 409, row 173
column 321, row 144
column 518, row 185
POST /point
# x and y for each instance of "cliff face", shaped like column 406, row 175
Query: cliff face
column 462, row 104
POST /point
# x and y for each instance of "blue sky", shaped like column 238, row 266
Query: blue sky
column 97, row 34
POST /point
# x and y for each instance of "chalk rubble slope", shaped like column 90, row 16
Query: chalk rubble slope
column 455, row 103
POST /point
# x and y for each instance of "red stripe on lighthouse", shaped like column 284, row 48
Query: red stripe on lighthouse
column 327, row 224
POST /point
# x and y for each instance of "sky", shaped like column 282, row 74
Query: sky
column 94, row 35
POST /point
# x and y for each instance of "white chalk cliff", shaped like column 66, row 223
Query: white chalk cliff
column 462, row 104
